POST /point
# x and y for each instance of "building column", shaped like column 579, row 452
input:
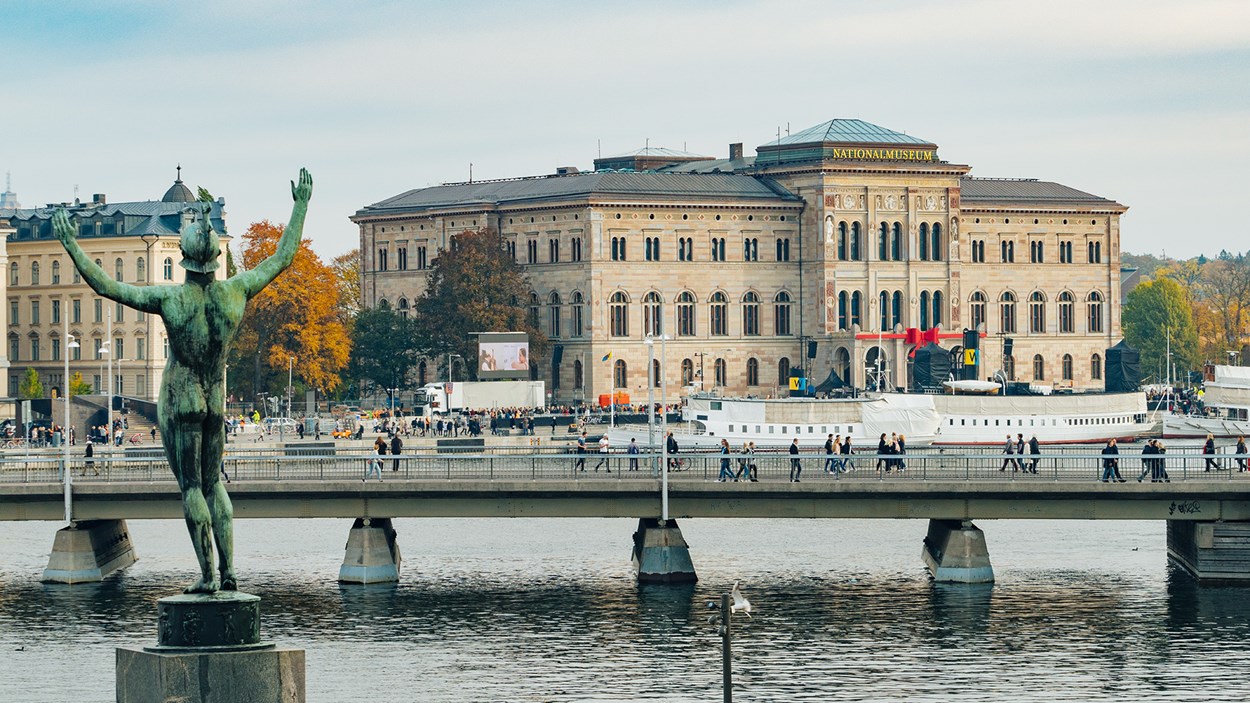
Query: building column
column 1211, row 551
column 660, row 553
column 955, row 552
column 372, row 554
column 89, row 550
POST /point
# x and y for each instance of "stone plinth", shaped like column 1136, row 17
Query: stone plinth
column 661, row 554
column 274, row 675
column 372, row 554
column 89, row 550
column 1211, row 551
column 955, row 552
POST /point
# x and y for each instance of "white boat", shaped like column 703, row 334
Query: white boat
column 953, row 419
column 1226, row 400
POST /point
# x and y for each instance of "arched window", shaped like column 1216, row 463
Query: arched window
column 403, row 307
column 685, row 314
column 1067, row 313
column 924, row 309
column 119, row 267
column 937, row 308
column 1037, row 313
column 883, row 242
column 1066, row 367
column 575, row 302
column 618, row 315
column 783, row 372
column 844, row 311
column 781, row 314
column 533, row 309
column 1095, row 367
column 857, row 308
column 1009, row 367
column 423, row 370
column 34, row 273
column 883, row 304
column 935, row 245
column 753, row 372
column 687, row 372
column 168, row 270
column 896, row 309
column 923, row 241
column 579, row 378
column 751, row 314
column 722, row 373
column 896, row 242
column 976, row 305
column 719, row 314
column 141, row 270
column 652, row 314
column 382, row 303
column 1095, row 312
column 1039, row 368
column 855, row 252
column 56, row 273
column 655, row 373
column 13, row 274
column 553, row 315
column 619, row 374
column 842, row 364
column 1007, row 312
column 842, row 243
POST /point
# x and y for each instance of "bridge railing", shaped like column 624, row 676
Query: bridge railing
column 966, row 464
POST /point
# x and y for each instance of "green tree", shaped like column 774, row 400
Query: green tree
column 384, row 348
column 475, row 286
column 77, row 386
column 31, row 386
column 1155, row 311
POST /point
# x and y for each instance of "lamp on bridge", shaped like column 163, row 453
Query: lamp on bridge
column 650, row 342
column 70, row 343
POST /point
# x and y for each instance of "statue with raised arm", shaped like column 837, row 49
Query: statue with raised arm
column 201, row 318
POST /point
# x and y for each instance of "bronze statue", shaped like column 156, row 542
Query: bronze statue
column 201, row 318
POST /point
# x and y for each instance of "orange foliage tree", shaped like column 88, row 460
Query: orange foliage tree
column 298, row 315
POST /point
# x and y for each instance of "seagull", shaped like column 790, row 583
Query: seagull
column 739, row 601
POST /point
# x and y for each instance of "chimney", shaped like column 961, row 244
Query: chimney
column 566, row 170
column 98, row 199
column 735, row 151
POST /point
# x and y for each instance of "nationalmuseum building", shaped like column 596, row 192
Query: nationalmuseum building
column 817, row 253
column 135, row 242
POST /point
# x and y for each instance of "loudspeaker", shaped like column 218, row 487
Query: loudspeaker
column 811, row 350
column 972, row 339
column 557, row 354
column 1008, row 342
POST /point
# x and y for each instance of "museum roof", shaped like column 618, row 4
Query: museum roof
column 585, row 185
column 843, row 131
column 1025, row 191
column 657, row 151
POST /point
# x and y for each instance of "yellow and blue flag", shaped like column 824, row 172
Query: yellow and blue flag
column 607, row 356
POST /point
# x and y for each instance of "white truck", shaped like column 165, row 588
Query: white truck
column 442, row 398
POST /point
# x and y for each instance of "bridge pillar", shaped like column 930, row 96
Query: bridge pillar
column 1211, row 551
column 372, row 554
column 661, row 554
column 955, row 552
column 89, row 550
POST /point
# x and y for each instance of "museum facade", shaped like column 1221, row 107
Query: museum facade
column 818, row 253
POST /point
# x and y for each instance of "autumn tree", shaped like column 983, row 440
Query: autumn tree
column 1224, row 288
column 1155, row 312
column 474, row 286
column 30, row 387
column 347, row 273
column 296, row 316
column 77, row 386
column 384, row 348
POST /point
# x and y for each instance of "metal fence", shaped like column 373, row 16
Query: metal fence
column 557, row 463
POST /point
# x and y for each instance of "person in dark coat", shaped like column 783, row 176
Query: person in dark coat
column 1111, row 462
column 1147, row 461
column 396, row 446
column 90, row 461
column 1241, row 451
column 796, row 465
column 883, row 450
column 1160, row 473
column 1035, row 453
column 1208, row 451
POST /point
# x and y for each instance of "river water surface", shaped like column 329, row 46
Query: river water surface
column 547, row 610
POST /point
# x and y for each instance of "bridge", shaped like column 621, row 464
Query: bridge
column 1208, row 512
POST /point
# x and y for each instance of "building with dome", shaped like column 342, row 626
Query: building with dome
column 137, row 242
column 817, row 253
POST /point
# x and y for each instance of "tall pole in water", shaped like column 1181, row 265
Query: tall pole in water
column 650, row 393
column 108, row 348
column 69, row 344
column 664, row 430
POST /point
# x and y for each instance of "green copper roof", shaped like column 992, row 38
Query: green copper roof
column 848, row 132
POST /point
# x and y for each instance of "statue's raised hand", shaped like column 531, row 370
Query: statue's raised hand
column 302, row 192
column 61, row 226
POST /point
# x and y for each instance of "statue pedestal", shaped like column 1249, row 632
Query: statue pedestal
column 209, row 651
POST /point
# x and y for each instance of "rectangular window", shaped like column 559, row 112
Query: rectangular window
column 99, row 310
column 76, row 312
column 119, row 313
column 34, row 349
column 56, row 312
column 423, row 263
column 13, row 319
column 34, row 312
column 141, row 348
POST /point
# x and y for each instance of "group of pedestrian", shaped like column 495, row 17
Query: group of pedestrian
column 1209, row 452
column 888, row 449
column 1015, row 457
column 838, row 454
column 747, row 470
column 1153, row 463
column 373, row 465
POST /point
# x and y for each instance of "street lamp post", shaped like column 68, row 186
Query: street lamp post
column 663, row 426
column 65, row 472
column 290, row 363
column 650, row 394
column 107, row 350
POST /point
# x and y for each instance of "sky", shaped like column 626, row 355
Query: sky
column 1140, row 101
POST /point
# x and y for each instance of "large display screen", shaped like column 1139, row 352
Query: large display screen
column 503, row 355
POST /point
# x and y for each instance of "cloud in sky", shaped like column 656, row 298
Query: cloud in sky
column 1139, row 101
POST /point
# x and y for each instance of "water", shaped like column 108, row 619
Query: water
column 547, row 610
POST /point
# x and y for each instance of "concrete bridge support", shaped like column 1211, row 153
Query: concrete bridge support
column 955, row 552
column 372, row 554
column 661, row 554
column 89, row 550
column 1211, row 551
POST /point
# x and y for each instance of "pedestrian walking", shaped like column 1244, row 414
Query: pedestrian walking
column 633, row 454
column 1208, row 451
column 829, row 461
column 604, row 447
column 1161, row 470
column 883, row 451
column 1147, row 461
column 396, row 447
column 726, row 473
column 847, row 462
column 579, row 464
column 1009, row 451
column 1035, row 453
column 671, row 445
column 90, row 463
column 900, row 449
column 796, row 466
column 753, row 469
column 1241, row 454
column 1111, row 462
